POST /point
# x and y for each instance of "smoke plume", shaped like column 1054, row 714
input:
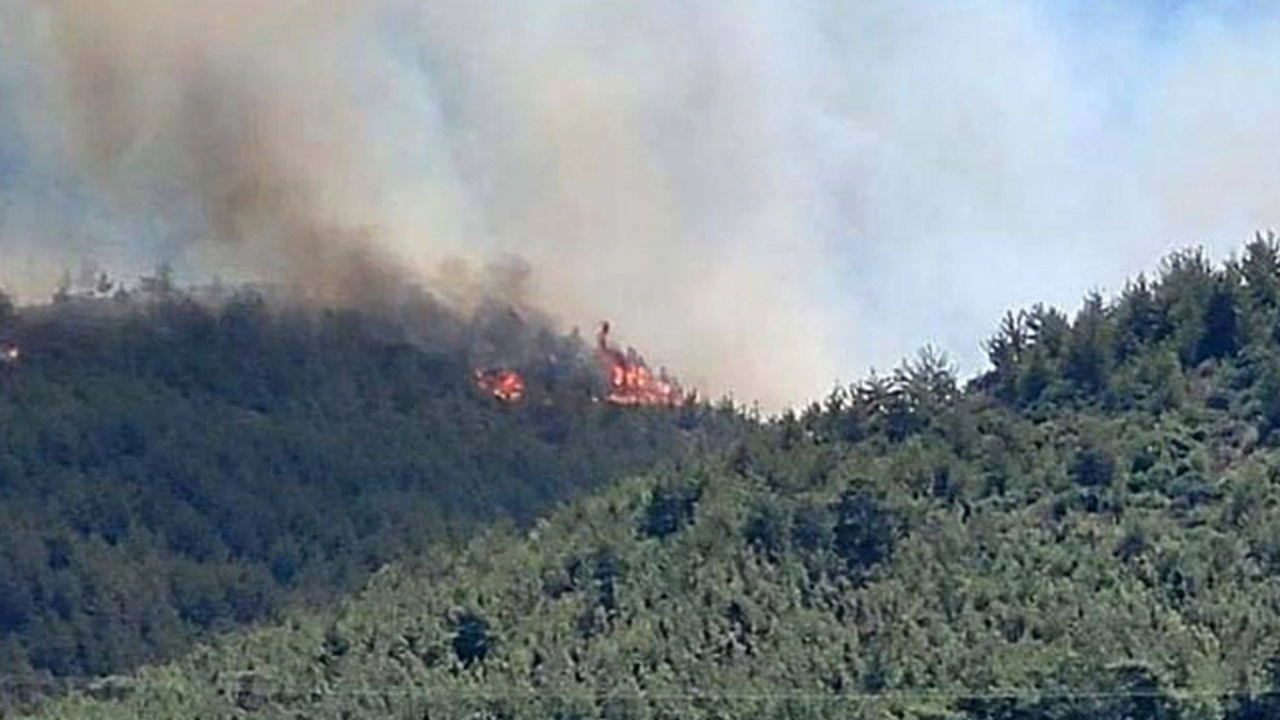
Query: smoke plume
column 764, row 195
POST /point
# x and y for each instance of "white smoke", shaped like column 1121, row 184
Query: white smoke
column 763, row 195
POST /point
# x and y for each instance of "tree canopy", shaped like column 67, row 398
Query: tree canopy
column 172, row 467
column 1087, row 530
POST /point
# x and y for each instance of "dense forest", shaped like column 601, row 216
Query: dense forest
column 1089, row 530
column 172, row 466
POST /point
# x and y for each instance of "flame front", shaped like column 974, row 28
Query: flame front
column 631, row 382
column 505, row 385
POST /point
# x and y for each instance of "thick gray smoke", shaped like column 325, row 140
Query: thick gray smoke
column 228, row 128
column 764, row 195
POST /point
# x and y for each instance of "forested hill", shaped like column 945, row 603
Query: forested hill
column 1092, row 530
column 171, row 467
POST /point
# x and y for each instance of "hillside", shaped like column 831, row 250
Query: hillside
column 171, row 467
column 1091, row 530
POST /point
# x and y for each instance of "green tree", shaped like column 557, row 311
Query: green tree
column 1219, row 338
column 1089, row 353
column 1260, row 270
column 864, row 534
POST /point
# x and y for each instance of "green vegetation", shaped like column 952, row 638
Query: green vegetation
column 1090, row 530
column 170, row 468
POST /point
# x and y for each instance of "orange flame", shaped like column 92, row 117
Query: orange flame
column 505, row 385
column 631, row 382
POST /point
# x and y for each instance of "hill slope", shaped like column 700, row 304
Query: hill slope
column 1090, row 531
column 170, row 468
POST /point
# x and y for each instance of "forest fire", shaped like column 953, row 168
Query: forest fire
column 631, row 382
column 505, row 385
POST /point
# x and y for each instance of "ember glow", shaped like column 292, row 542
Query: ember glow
column 505, row 385
column 631, row 382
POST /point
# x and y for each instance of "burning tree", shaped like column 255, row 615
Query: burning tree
column 631, row 382
column 505, row 385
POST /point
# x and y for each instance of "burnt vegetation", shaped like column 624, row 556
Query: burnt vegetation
column 1087, row 530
